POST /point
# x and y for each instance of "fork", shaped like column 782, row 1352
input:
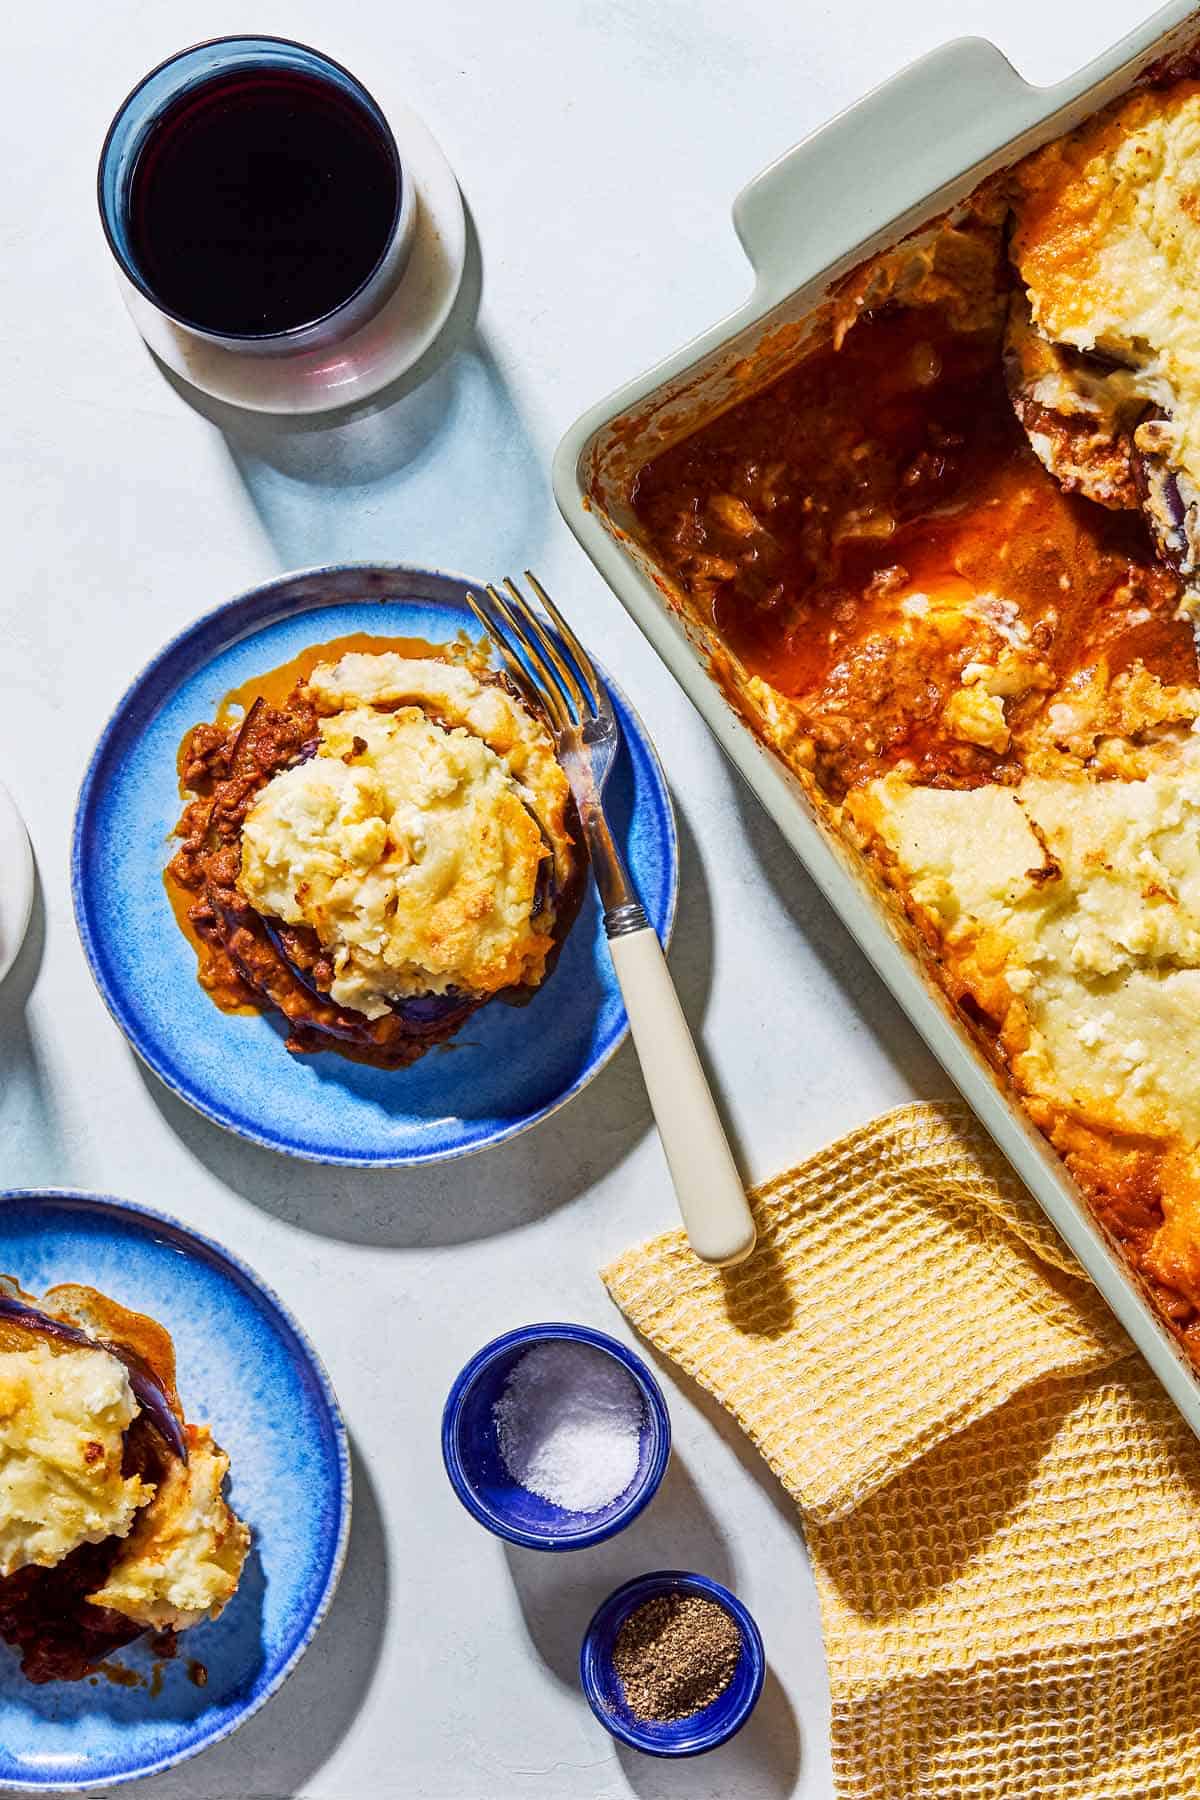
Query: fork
column 555, row 676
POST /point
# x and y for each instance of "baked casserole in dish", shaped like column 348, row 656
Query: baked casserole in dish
column 937, row 539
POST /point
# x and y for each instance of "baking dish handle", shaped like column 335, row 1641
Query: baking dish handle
column 927, row 126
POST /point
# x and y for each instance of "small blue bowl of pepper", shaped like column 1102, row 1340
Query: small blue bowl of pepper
column 703, row 1730
column 480, row 1477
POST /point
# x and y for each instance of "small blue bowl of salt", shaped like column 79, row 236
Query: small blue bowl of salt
column 555, row 1436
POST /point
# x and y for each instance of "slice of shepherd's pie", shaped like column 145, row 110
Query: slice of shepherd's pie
column 1106, row 243
column 1067, row 913
column 113, row 1519
column 377, row 851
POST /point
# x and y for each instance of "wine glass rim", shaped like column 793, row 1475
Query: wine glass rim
column 126, row 264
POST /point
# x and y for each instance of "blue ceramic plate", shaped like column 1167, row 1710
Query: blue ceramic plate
column 507, row 1069
column 246, row 1369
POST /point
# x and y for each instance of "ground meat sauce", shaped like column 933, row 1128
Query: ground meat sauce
column 895, row 463
column 45, row 1614
column 246, row 962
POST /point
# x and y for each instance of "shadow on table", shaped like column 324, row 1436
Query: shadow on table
column 438, row 467
column 26, row 1093
column 477, row 1197
column 762, row 1761
column 279, row 1750
column 15, row 1046
column 559, row 1594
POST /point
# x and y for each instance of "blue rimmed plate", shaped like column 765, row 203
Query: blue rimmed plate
column 509, row 1067
column 246, row 1368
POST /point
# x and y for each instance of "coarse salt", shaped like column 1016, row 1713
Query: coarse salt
column 569, row 1425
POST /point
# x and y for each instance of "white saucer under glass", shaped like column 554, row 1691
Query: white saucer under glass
column 426, row 262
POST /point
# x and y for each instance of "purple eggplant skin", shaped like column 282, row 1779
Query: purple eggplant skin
column 149, row 1393
column 420, row 1009
column 1169, row 499
column 431, row 1009
column 1084, row 437
column 1168, row 514
column 545, row 891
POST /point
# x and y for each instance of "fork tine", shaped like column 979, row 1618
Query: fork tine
column 517, row 673
column 550, row 691
column 582, row 659
column 565, row 671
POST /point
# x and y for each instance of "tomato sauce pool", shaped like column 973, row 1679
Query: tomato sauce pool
column 895, row 464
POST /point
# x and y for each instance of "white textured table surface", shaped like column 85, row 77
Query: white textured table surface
column 599, row 147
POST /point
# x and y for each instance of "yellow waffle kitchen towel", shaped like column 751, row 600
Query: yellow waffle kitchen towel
column 1001, row 1506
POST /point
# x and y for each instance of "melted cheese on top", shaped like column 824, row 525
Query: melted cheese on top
column 1070, row 911
column 183, row 1559
column 412, row 843
column 1107, row 241
column 63, row 1415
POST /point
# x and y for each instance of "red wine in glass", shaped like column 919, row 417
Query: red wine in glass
column 261, row 201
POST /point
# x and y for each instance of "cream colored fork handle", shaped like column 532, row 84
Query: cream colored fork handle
column 711, row 1197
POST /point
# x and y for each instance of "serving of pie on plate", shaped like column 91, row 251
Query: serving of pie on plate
column 377, row 840
column 951, row 560
column 113, row 1518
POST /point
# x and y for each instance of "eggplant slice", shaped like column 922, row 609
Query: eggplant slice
column 1079, row 412
column 1098, row 436
column 1168, row 499
column 148, row 1390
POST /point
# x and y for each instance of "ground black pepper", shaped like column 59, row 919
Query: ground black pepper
column 674, row 1655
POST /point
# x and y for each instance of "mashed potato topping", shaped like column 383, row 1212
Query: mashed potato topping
column 413, row 842
column 184, row 1556
column 1069, row 910
column 63, row 1415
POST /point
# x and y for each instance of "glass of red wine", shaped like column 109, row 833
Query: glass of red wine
column 251, row 190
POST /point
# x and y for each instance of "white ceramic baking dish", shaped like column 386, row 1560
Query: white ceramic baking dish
column 898, row 159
